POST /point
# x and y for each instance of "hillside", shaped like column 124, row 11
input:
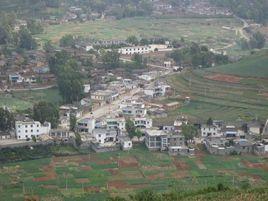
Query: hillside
column 253, row 66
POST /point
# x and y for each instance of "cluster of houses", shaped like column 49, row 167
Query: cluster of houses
column 19, row 75
column 221, row 139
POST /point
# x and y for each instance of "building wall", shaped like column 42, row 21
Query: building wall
column 26, row 130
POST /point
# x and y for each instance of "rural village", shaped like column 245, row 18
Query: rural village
column 112, row 115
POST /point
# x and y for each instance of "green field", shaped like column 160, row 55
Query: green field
column 95, row 176
column 203, row 30
column 244, row 100
column 26, row 99
column 253, row 66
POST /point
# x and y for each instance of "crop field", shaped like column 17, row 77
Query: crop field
column 220, row 96
column 96, row 176
column 253, row 66
column 26, row 99
column 206, row 30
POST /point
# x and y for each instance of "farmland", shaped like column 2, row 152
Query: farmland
column 24, row 100
column 253, row 66
column 203, row 30
column 96, row 176
column 232, row 92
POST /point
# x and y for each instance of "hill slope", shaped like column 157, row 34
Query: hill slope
column 253, row 66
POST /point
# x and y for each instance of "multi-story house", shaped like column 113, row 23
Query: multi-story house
column 28, row 129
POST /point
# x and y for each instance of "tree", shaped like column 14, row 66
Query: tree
column 26, row 41
column 210, row 121
column 189, row 131
column 35, row 27
column 130, row 128
column 72, row 122
column 133, row 40
column 146, row 195
column 3, row 36
column 56, row 61
column 33, row 138
column 44, row 111
column 48, row 47
column 70, row 82
column 259, row 40
column 6, row 120
column 67, row 41
column 110, row 59
column 78, row 139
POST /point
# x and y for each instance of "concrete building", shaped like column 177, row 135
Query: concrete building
column 86, row 125
column 157, row 90
column 211, row 131
column 230, row 131
column 28, row 129
column 134, row 111
column 125, row 143
column 104, row 96
column 105, row 136
column 142, row 49
column 116, row 123
column 161, row 140
column 143, row 122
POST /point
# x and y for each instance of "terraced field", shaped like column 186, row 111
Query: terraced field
column 220, row 96
column 96, row 176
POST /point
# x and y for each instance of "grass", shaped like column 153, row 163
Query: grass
column 253, row 66
column 205, row 30
column 24, row 100
column 231, row 102
column 156, row 171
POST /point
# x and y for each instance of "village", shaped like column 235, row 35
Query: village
column 119, row 113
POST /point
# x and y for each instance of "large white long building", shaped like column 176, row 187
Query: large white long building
column 142, row 49
column 27, row 129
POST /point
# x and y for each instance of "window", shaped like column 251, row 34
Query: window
column 31, row 131
column 26, row 136
column 99, row 135
column 37, row 131
column 26, row 126
column 26, row 131
column 31, row 125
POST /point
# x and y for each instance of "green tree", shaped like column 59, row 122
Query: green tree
column 210, row 121
column 72, row 122
column 44, row 111
column 189, row 131
column 67, row 41
column 6, row 120
column 78, row 139
column 110, row 59
column 34, row 27
column 133, row 40
column 26, row 41
column 70, row 82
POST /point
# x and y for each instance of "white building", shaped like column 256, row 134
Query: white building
column 143, row 122
column 211, row 131
column 142, row 49
column 157, row 90
column 125, row 142
column 116, row 123
column 103, row 136
column 86, row 88
column 86, row 125
column 134, row 111
column 104, row 95
column 28, row 129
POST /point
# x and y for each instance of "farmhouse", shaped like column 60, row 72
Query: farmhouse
column 61, row 134
column 104, row 96
column 86, row 125
column 143, row 122
column 116, row 123
column 157, row 90
column 29, row 128
column 161, row 140
column 134, row 111
column 254, row 128
column 125, row 143
column 211, row 131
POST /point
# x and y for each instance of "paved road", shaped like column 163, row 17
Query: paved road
column 110, row 108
